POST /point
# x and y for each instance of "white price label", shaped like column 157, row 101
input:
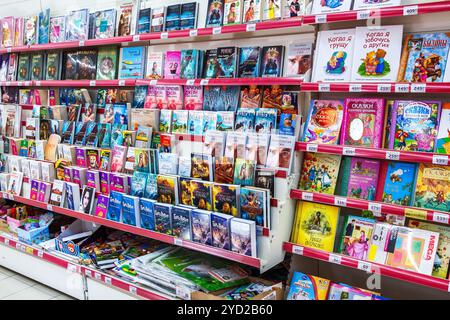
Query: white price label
column 177, row 241
column 297, row 250
column 27, row 83
column 440, row 217
column 438, row 159
column 365, row 266
column 136, row 37
column 8, row 83
column 307, row 196
column 324, row 87
column 92, row 83
column 355, row 87
column 81, row 43
column 363, row 14
column 164, row 35
column 204, row 82
column 108, row 280
column 18, row 246
column 88, row 273
column 8, row 50
column 383, row 87
column 49, row 207
column 40, row 254
column 321, row 18
column 410, row 10
column 71, row 267
column 97, row 276
column 121, row 83
column 193, row 33
column 125, row 44
column 19, row 83
column 133, row 290
column 38, row 83
column 217, row 30
column 190, row 82
column 402, row 87
column 341, row 202
column 7, row 242
column 348, row 151
column 11, row 196
column 374, row 207
column 183, row 293
column 250, row 27
column 418, row 87
column 312, row 147
column 334, row 258
column 392, row 155
column 153, row 82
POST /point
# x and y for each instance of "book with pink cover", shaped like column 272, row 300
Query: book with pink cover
column 172, row 65
column 102, row 206
column 363, row 122
column 80, row 157
column 174, row 97
column 193, row 97
column 8, row 31
column 34, row 191
column 363, row 179
column 118, row 158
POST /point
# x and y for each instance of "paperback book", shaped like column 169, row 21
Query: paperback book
column 243, row 236
column 201, row 226
column 225, row 199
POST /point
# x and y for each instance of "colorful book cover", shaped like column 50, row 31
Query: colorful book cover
column 107, row 63
column 30, row 30
column 193, row 97
column 224, row 170
column 244, row 172
column 158, row 14
column 266, row 120
column 307, row 287
column 167, row 187
column 188, row 16
column 162, row 213
column 214, row 15
column 265, row 179
column 53, row 66
column 165, row 120
column 57, row 29
column 424, row 57
column 201, row 226
column 320, row 172
column 196, row 122
column 363, row 178
column 210, row 64
column 443, row 136
column 272, row 9
column 104, row 182
column 87, row 200
column 232, row 12
column 245, row 120
column 77, row 25
column 252, row 11
column 414, row 125
column 147, row 213
column 201, row 194
column 132, row 63
column 115, row 206
column 141, row 160
column 125, row 26
column 104, row 24
column 356, row 237
column 226, row 62
column 81, row 157
column 168, row 163
column 220, row 230
column 143, row 19
column 251, row 96
column 43, row 25
column 130, row 210
column 272, row 97
column 34, row 191
column 172, row 65
column 155, row 65
column 58, row 193
column 72, row 196
column 288, row 124
column 23, row 72
column 173, row 17
column 298, row 60
column 374, row 4
column 249, row 58
column 138, row 183
column 151, row 190
column 243, row 237
column 93, row 158
column 226, row 199
column 189, row 63
column 324, row 121
column 101, row 209
column 363, row 122
column 398, row 182
column 174, row 97
column 253, row 205
column 7, row 31
column 272, row 61
column 181, row 222
column 330, row 6
column 19, row 31
column 432, row 187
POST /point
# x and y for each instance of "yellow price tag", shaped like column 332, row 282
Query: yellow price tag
column 29, row 250
column 415, row 213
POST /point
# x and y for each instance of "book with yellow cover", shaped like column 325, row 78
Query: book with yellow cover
column 317, row 225
column 433, row 187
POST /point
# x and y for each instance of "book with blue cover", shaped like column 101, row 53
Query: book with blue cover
column 214, row 16
column 138, row 183
column 115, row 206
column 44, row 26
column 147, row 215
column 254, row 205
column 249, row 58
column 220, row 98
column 173, row 17
column 188, row 15
column 140, row 92
column 266, row 120
column 120, row 114
column 132, row 63
column 144, row 19
column 288, row 123
column 226, row 62
column 225, row 121
column 165, row 120
column 179, row 121
column 195, row 124
column 151, row 190
column 220, row 230
column 201, row 226
column 162, row 212
column 130, row 210
column 189, row 63
column 181, row 222
column 245, row 120
column 399, row 182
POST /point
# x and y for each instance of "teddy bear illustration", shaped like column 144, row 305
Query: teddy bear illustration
column 371, row 63
column 380, row 54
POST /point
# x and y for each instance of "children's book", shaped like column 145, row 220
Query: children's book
column 155, row 65
column 272, row 61
column 377, row 53
column 330, row 6
column 220, row 229
column 252, row 11
column 398, row 182
column 214, row 14
column 132, row 63
column 243, row 236
column 363, row 178
column 249, row 58
column 432, row 187
column 424, row 57
column 77, row 25
column 165, row 120
column 289, row 124
column 374, row 4
column 363, row 122
column 30, row 30
column 179, row 121
column 101, row 209
column 172, row 65
column 356, row 236
column 443, row 136
column 225, row 199
column 201, row 226
column 193, row 97
column 307, row 287
column 319, row 172
column 380, row 234
column 244, row 172
column 201, row 194
column 251, row 96
column 333, row 57
column 253, row 205
column 44, row 26
column 181, row 222
column 414, row 125
column 57, row 29
column 107, row 63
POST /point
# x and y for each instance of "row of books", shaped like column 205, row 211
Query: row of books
column 405, row 125
column 420, row 246
column 367, row 55
column 421, row 185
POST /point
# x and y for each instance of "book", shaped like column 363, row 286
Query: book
column 44, row 191
column 219, row 98
column 224, row 170
column 225, row 199
column 363, row 178
column 106, row 63
column 7, row 30
column 316, row 225
column 319, row 172
column 93, row 179
column 324, row 121
column 298, row 59
column 201, row 226
column 232, row 12
column 363, row 122
column 72, row 196
column 101, row 209
column 155, row 65
column 244, row 172
column 272, row 61
column 188, row 15
column 377, row 54
column 77, row 25
column 143, row 23
column 86, row 65
column 214, row 143
column 330, row 6
column 132, row 63
column 370, row 4
column 253, row 205
column 37, row 66
column 272, row 10
column 53, row 66
column 104, row 24
column 214, row 14
column 151, row 190
column 118, row 158
column 12, row 71
column 443, row 136
column 30, row 30
column 397, row 180
column 168, row 163
column 174, row 97
column 307, row 287
column 356, row 237
column 189, row 60
column 289, row 124
column 272, row 97
column 138, row 184
column 414, row 125
column 220, row 230
column 115, row 206
column 165, row 120
column 251, row 96
column 23, row 72
column 245, row 120
column 43, row 26
column 334, row 55
column 243, row 236
column 147, row 217
column 19, row 26
column 57, row 29
column 162, row 213
column 201, row 166
column 265, row 179
column 181, row 222
column 210, row 64
column 173, row 17
column 157, row 21
column 87, row 200
column 201, row 194
column 226, row 59
column 431, row 190
column 93, row 158
column 252, row 11
column 57, row 196
column 130, row 210
column 256, row 148
column 280, row 152
column 266, row 120
column 125, row 23
column 172, row 65
column 34, row 190
column 184, row 166
column 167, row 187
column 193, row 97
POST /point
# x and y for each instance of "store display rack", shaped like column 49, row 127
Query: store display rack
column 392, row 272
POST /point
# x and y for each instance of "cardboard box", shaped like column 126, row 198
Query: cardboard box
column 13, row 224
column 35, row 236
column 70, row 247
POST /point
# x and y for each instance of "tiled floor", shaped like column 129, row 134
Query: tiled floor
column 14, row 286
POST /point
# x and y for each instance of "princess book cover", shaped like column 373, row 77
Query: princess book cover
column 363, row 178
column 324, row 121
column 357, row 233
column 414, row 126
column 398, row 182
column 363, row 122
column 433, row 187
column 319, row 172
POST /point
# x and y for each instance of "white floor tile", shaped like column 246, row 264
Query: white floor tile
column 30, row 293
column 47, row 290
column 6, row 271
column 10, row 286
column 3, row 276
column 25, row 280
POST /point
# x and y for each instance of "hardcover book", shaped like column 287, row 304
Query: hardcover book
column 172, row 65
column 193, row 97
column 132, row 63
column 155, row 65
column 219, row 98
column 220, row 229
column 77, row 25
column 57, row 29
column 272, row 61
column 173, row 17
column 243, row 236
column 265, row 179
column 43, row 26
column 23, row 72
column 210, row 64
column 162, row 213
column 443, row 136
column 298, row 60
column 201, row 226
column 253, row 205
column 104, row 24
column 53, row 66
column 363, row 178
column 432, row 187
column 319, row 172
column 181, row 222
column 188, row 16
column 144, row 17
column 398, row 182
column 225, row 199
column 214, row 15
column 244, row 172
column 307, row 287
column 19, row 31
column 167, row 187
column 147, row 217
column 272, row 97
column 151, row 189
column 174, row 97
column 57, row 196
column 7, row 27
column 168, row 163
column 356, row 237
column 158, row 15
column 125, row 20
column 251, row 96
column 201, row 194
column 30, row 30
column 115, row 206
column 289, row 124
column 107, row 63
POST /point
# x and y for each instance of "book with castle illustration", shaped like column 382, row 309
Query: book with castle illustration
column 377, row 53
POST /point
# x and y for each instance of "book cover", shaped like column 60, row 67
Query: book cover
column 44, row 191
column 225, row 121
column 165, row 120
column 118, row 158
column 188, row 16
column 210, row 64
column 226, row 62
column 220, row 230
column 251, row 96
column 214, row 14
column 151, row 190
column 319, row 172
column 185, row 191
column 236, row 145
column 174, row 97
column 324, row 121
column 193, row 97
column 432, row 187
column 201, row 194
column 172, row 65
column 86, row 65
column 181, row 222
column 363, row 178
column 288, row 124
column 363, row 122
column 398, row 182
column 93, row 179
column 37, row 66
column 443, row 136
column 155, row 65
column 214, row 143
column 189, row 63
column 162, row 213
column 80, row 157
column 138, row 183
column 130, row 210
column 11, row 73
column 173, row 17
column 371, row 4
column 87, row 200
column 265, row 179
column 245, row 120
column 77, row 25
column 225, row 199
column 201, row 166
column 201, row 226
column 58, row 193
column 224, row 170
column 72, row 196
column 266, row 120
column 168, row 163
column 7, row 26
column 307, row 287
column 272, row 97
column 253, row 205
column 57, row 29
column 115, row 206
column 143, row 23
column 23, row 72
column 101, row 209
column 243, row 237
column 272, row 61
column 53, row 66
column 30, row 30
column 141, row 160
column 132, row 63
column 298, row 60
column 34, row 189
column 272, row 9
column 104, row 24
column 356, row 237
column 330, row 6
column 125, row 20
column 280, row 152
column 377, row 54
column 232, row 12
column 147, row 217
column 244, row 172
column 19, row 25
column 414, row 125
column 43, row 26
column 252, row 11
column 157, row 22
column 93, row 158
column 184, row 166
column 107, row 63
column 167, row 187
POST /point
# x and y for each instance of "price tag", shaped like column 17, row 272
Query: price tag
column 365, row 266
column 355, row 87
column 410, row 10
column 136, row 37
column 177, row 241
column 440, row 217
column 416, row 214
column 348, row 151
column 19, row 83
column 125, row 44
column 418, row 87
column 153, row 82
column 97, row 276
column 7, row 241
column 121, row 83
column 307, row 196
column 88, row 273
column 204, row 82
column 8, row 83
column 402, row 87
column 217, row 30
column 38, row 83
column 297, row 250
column 183, row 293
column 324, row 87
column 92, row 83
column 312, row 147
column 321, row 18
column 8, row 50
column 341, row 202
column 392, row 155
column 133, row 290
column 190, row 82
column 40, row 254
column 193, row 33
column 164, row 35
column 250, row 27
column 27, row 83
column 81, row 43
column 374, row 207
column 29, row 250
column 11, row 196
column 49, row 207
column 71, row 267
column 108, row 280
column 363, row 14
column 382, row 87
column 334, row 258
column 442, row 160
